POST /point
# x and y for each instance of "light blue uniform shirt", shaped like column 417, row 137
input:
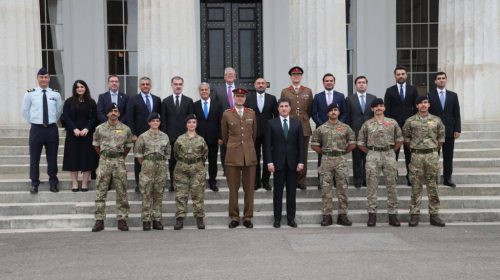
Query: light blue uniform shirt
column 32, row 107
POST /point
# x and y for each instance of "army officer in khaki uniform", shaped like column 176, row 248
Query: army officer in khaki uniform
column 301, row 98
column 239, row 130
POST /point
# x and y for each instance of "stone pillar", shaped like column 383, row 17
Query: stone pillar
column 469, row 53
column 318, row 41
column 21, row 55
column 167, row 46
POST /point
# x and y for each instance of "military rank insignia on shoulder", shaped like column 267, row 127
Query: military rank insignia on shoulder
column 31, row 90
column 55, row 90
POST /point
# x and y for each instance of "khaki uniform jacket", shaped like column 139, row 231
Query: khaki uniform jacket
column 301, row 106
column 239, row 133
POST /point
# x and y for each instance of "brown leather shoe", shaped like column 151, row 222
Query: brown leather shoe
column 327, row 221
column 199, row 223
column 146, row 226
column 122, row 225
column 393, row 220
column 157, row 225
column 436, row 221
column 343, row 220
column 99, row 225
column 302, row 187
column 372, row 219
column 414, row 218
column 179, row 223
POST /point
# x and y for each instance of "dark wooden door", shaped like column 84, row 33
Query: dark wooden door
column 231, row 35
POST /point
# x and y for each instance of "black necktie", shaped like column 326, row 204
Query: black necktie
column 45, row 109
column 285, row 128
column 177, row 101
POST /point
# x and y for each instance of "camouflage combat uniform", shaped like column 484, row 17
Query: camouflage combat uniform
column 190, row 174
column 423, row 134
column 154, row 149
column 380, row 138
column 333, row 140
column 112, row 141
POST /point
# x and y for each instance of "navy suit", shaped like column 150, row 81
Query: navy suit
column 209, row 129
column 137, row 115
column 355, row 119
column 104, row 101
column 400, row 111
column 285, row 154
column 269, row 111
column 452, row 123
column 320, row 107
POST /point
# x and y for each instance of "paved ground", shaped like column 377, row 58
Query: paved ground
column 453, row 252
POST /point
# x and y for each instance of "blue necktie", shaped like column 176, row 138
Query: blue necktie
column 205, row 109
column 441, row 98
column 363, row 103
column 401, row 94
column 285, row 128
column 148, row 104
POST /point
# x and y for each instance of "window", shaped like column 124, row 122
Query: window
column 349, row 45
column 122, row 42
column 417, row 40
column 52, row 42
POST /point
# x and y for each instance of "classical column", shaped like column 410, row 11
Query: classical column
column 168, row 36
column 318, row 41
column 21, row 55
column 469, row 52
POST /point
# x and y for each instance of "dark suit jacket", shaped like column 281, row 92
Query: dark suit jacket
column 172, row 119
column 281, row 151
column 208, row 128
column 320, row 107
column 397, row 109
column 137, row 113
column 451, row 114
column 269, row 111
column 105, row 100
column 355, row 117
column 219, row 93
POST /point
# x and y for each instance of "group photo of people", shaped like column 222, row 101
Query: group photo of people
column 256, row 135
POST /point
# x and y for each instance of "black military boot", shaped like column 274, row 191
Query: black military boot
column 343, row 220
column 99, row 225
column 414, row 218
column 179, row 223
column 122, row 225
column 372, row 219
column 146, row 226
column 199, row 223
column 393, row 220
column 157, row 225
column 436, row 221
column 327, row 220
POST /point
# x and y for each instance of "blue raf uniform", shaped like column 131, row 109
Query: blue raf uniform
column 42, row 107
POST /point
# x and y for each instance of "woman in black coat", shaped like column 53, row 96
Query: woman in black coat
column 80, row 118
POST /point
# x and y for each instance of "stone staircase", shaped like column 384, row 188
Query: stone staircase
column 476, row 199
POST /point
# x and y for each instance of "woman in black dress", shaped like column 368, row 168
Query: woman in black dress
column 80, row 118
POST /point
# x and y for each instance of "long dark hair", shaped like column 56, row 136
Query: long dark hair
column 86, row 95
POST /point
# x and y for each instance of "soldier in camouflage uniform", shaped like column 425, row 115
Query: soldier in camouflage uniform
column 379, row 137
column 151, row 150
column 333, row 140
column 424, row 134
column 112, row 141
column 190, row 151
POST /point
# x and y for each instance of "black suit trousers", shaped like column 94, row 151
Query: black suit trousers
column 288, row 176
column 259, row 146
column 41, row 136
column 358, row 165
column 448, row 147
column 213, row 149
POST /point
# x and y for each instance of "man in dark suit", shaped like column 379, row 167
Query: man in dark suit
column 284, row 156
column 225, row 96
column 113, row 95
column 265, row 107
column 321, row 102
column 359, row 111
column 444, row 104
column 138, row 109
column 399, row 103
column 174, row 109
column 209, row 114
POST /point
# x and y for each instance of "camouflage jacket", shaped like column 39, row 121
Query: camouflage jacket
column 333, row 137
column 423, row 132
column 112, row 138
column 151, row 143
column 190, row 149
column 374, row 134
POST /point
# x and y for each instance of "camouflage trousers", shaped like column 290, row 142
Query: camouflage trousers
column 111, row 171
column 330, row 168
column 189, row 178
column 424, row 169
column 152, row 182
column 385, row 162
